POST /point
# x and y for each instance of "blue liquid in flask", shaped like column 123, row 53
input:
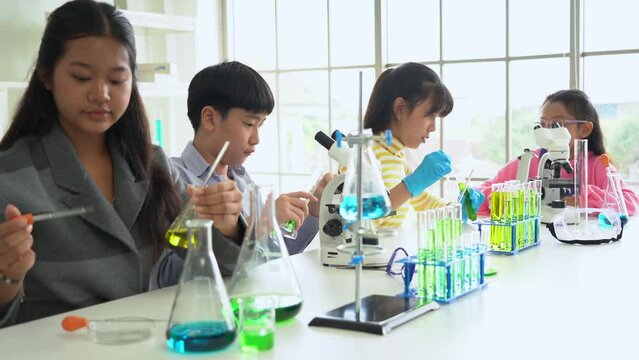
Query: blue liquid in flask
column 373, row 207
column 200, row 336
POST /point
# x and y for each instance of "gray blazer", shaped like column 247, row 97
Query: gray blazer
column 87, row 259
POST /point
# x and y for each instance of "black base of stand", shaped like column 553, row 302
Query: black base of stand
column 379, row 314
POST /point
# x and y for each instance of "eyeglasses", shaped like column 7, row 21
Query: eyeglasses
column 559, row 123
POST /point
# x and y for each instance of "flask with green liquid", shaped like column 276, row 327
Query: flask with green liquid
column 263, row 268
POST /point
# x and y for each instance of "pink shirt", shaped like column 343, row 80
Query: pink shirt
column 597, row 183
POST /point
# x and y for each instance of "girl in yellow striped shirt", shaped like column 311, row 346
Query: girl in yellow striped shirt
column 407, row 100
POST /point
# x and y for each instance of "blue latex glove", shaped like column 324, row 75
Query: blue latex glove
column 433, row 167
column 471, row 201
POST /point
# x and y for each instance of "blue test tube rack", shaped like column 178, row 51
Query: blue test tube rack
column 440, row 285
column 510, row 239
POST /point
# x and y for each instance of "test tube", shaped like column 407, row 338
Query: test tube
column 467, row 256
column 614, row 184
column 475, row 261
column 581, row 178
column 506, row 243
column 453, row 213
column 496, row 201
column 531, row 192
column 519, row 214
column 423, row 278
column 442, row 272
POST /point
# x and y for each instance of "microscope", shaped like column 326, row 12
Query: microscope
column 556, row 141
column 336, row 239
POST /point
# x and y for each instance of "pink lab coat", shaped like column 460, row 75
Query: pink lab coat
column 597, row 182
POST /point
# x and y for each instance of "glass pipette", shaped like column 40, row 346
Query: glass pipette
column 114, row 331
column 30, row 218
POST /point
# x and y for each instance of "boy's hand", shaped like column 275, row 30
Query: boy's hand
column 222, row 203
column 313, row 205
column 16, row 255
column 293, row 206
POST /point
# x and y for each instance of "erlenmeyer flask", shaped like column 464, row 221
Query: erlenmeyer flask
column 201, row 318
column 375, row 201
column 176, row 235
column 263, row 268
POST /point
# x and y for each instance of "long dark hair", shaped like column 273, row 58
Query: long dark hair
column 37, row 113
column 578, row 104
column 414, row 83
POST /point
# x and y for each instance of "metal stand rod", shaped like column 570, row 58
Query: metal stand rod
column 358, row 236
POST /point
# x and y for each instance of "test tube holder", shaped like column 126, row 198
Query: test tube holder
column 511, row 229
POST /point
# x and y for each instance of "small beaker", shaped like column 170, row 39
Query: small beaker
column 257, row 323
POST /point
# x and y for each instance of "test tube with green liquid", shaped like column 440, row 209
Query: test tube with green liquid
column 426, row 254
column 506, row 243
column 422, row 275
column 441, row 255
column 454, row 215
column 496, row 202
column 519, row 214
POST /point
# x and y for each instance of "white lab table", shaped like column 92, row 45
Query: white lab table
column 554, row 301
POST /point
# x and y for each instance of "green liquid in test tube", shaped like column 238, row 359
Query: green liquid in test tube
column 430, row 260
column 496, row 210
column 456, row 250
column 441, row 256
column 426, row 256
column 506, row 241
column 422, row 275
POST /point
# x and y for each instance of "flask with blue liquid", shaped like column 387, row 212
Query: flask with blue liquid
column 201, row 318
column 375, row 201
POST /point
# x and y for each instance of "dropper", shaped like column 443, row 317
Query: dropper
column 30, row 218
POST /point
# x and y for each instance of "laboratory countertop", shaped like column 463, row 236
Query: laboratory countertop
column 554, row 301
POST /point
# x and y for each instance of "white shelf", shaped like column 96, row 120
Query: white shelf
column 149, row 89
column 12, row 85
column 168, row 23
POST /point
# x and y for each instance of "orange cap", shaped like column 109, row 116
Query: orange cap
column 73, row 323
column 605, row 161
column 27, row 217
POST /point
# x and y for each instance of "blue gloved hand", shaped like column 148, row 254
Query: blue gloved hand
column 433, row 167
column 471, row 201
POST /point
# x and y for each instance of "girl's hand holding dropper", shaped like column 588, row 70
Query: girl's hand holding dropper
column 16, row 255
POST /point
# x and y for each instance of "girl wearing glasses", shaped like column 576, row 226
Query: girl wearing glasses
column 573, row 110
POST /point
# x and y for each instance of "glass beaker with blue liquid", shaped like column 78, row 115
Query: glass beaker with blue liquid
column 375, row 201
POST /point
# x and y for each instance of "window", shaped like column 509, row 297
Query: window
column 500, row 59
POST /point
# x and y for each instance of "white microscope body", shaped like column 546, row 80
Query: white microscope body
column 556, row 141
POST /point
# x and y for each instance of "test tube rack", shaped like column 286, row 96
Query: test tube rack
column 444, row 282
column 514, row 220
column 511, row 238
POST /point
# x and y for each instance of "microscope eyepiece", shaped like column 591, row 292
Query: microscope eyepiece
column 324, row 140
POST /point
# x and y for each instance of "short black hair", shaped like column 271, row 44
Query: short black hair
column 414, row 83
column 227, row 85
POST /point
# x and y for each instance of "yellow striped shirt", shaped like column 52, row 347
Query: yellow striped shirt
column 394, row 169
